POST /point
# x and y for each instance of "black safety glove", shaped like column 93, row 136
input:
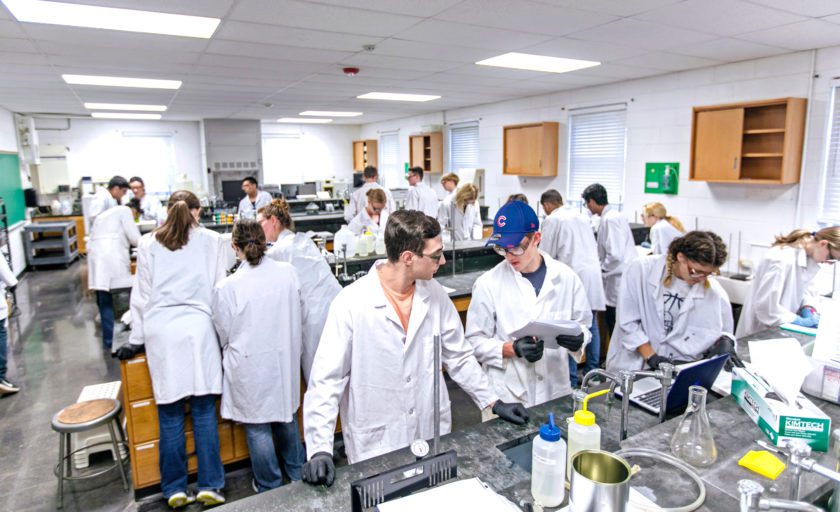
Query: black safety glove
column 514, row 413
column 725, row 345
column 529, row 348
column 570, row 343
column 128, row 351
column 12, row 289
column 319, row 470
column 655, row 360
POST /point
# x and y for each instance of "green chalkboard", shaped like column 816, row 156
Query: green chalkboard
column 10, row 188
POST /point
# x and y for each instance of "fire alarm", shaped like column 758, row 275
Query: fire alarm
column 351, row 71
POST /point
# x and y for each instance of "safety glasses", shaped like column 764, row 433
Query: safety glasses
column 696, row 274
column 519, row 250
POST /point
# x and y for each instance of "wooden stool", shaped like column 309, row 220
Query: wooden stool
column 80, row 417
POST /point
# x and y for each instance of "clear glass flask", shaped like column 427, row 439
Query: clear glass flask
column 693, row 441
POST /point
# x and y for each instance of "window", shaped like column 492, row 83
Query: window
column 830, row 209
column 597, row 142
column 151, row 156
column 282, row 159
column 389, row 161
column 463, row 146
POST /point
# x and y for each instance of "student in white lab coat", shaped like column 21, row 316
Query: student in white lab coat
column 260, row 335
column 150, row 206
column 178, row 266
column 358, row 199
column 616, row 248
column 664, row 228
column 254, row 199
column 449, row 182
column 568, row 238
column 317, row 283
column 373, row 216
column 529, row 285
column 463, row 214
column 669, row 311
column 109, row 259
column 375, row 363
column 7, row 280
column 780, row 283
column 420, row 197
column 105, row 198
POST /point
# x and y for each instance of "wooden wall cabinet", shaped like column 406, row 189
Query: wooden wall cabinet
column 531, row 149
column 364, row 154
column 757, row 142
column 426, row 151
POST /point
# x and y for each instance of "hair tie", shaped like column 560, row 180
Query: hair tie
column 252, row 241
column 813, row 233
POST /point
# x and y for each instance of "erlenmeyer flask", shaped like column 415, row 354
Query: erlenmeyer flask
column 693, row 441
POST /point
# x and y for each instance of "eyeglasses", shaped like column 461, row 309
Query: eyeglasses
column 694, row 273
column 519, row 250
column 375, row 209
column 435, row 256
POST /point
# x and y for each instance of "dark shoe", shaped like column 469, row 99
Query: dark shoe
column 7, row 387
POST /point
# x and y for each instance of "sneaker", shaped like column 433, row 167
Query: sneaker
column 180, row 499
column 7, row 387
column 210, row 497
column 254, row 485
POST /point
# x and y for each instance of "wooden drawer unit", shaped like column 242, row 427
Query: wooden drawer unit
column 240, row 441
column 531, row 149
column 143, row 418
column 145, row 464
column 137, row 383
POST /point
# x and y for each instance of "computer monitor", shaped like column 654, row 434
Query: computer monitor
column 358, row 179
column 289, row 191
column 232, row 191
column 309, row 188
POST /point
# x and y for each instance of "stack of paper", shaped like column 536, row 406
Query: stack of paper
column 472, row 494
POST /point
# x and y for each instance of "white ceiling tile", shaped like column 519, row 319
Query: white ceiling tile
column 614, row 7
column 386, row 61
column 378, row 73
column 444, row 32
column 642, row 34
column 23, row 58
column 813, row 8
column 426, row 50
column 9, row 44
column 211, row 8
column 297, row 13
column 587, row 50
column 617, row 71
column 729, row 50
column 524, row 16
column 668, row 61
column 113, row 38
column 722, row 17
column 270, row 51
column 273, row 66
column 424, row 9
column 10, row 28
column 290, row 36
column 798, row 36
column 107, row 95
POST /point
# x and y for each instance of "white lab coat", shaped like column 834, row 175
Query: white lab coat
column 358, row 200
column 779, row 288
column 502, row 302
column 380, row 377
column 248, row 210
column 171, row 313
column 7, row 279
column 362, row 220
column 704, row 316
column 152, row 209
column 467, row 222
column 567, row 237
column 102, row 200
column 318, row 288
column 257, row 314
column 661, row 235
column 109, row 259
column 422, row 197
column 616, row 249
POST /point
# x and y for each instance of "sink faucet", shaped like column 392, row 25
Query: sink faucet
column 751, row 500
column 452, row 234
column 799, row 459
column 344, row 277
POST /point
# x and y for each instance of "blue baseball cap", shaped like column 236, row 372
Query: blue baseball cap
column 513, row 221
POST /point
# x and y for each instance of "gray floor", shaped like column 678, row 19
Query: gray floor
column 54, row 351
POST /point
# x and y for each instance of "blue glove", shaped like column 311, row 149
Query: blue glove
column 807, row 321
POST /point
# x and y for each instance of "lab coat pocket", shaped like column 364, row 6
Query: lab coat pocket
column 367, row 442
column 252, row 378
column 515, row 381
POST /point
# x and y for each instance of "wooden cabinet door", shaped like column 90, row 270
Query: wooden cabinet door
column 523, row 150
column 359, row 155
column 436, row 152
column 717, row 145
column 417, row 147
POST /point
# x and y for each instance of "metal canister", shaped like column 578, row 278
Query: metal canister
column 600, row 482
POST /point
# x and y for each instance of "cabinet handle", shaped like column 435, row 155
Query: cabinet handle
column 540, row 164
column 735, row 163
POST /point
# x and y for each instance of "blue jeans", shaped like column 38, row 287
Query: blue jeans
column 105, row 301
column 264, row 457
column 593, row 354
column 3, row 348
column 173, row 445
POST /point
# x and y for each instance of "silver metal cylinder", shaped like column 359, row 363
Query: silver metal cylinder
column 600, row 482
column 436, row 441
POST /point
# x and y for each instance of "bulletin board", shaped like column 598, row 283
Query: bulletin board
column 10, row 188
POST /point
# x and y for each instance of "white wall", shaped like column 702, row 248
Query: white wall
column 95, row 147
column 8, row 142
column 659, row 115
column 328, row 150
column 8, row 138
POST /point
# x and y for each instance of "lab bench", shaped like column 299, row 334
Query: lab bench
column 470, row 255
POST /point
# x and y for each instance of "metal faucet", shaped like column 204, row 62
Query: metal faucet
column 751, row 500
column 452, row 234
column 799, row 458
column 343, row 277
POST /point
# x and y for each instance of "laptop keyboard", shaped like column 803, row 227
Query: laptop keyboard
column 652, row 398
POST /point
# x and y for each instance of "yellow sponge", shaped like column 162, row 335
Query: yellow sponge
column 764, row 463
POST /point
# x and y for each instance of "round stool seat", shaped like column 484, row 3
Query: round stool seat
column 85, row 415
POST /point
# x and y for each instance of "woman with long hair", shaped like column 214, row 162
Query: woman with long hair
column 257, row 313
column 462, row 215
column 178, row 266
column 780, row 282
column 374, row 215
column 664, row 228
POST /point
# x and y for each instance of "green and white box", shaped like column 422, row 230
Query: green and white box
column 777, row 420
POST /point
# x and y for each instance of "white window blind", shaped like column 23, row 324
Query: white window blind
column 596, row 152
column 830, row 211
column 389, row 161
column 463, row 146
column 283, row 159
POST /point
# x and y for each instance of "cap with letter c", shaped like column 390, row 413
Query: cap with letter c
column 513, row 221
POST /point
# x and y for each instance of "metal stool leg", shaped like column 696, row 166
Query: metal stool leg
column 61, row 470
column 68, row 459
column 119, row 461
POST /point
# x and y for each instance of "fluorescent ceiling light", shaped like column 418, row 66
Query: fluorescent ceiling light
column 537, row 62
column 125, row 106
column 119, row 81
column 304, row 120
column 124, row 115
column 326, row 113
column 394, row 96
column 130, row 20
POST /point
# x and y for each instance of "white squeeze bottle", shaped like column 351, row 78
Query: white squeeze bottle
column 584, row 433
column 548, row 466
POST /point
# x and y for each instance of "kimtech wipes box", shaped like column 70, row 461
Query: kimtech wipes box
column 779, row 421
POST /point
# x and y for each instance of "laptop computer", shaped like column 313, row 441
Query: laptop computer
column 647, row 391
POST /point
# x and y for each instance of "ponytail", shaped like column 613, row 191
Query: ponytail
column 797, row 236
column 249, row 237
column 676, row 223
column 175, row 232
column 279, row 209
column 658, row 210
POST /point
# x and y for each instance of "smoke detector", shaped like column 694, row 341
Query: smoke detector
column 351, row 71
